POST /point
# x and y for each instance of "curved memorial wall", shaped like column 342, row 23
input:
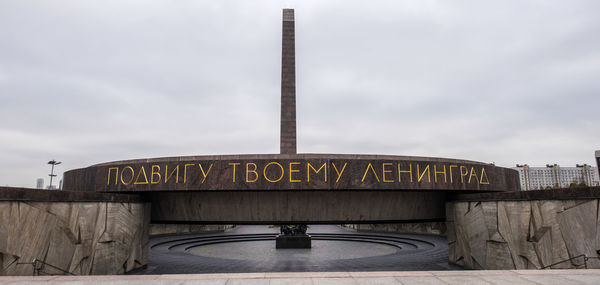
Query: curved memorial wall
column 291, row 172
column 294, row 188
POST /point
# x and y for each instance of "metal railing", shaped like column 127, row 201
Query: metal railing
column 39, row 268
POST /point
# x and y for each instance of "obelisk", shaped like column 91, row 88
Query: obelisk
column 288, row 85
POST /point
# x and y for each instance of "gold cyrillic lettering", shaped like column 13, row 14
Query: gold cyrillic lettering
column 473, row 173
column 451, row 171
column 367, row 170
column 420, row 175
column 483, row 174
column 185, row 171
column 132, row 175
column 175, row 170
column 386, row 171
column 253, row 171
column 116, row 175
column 137, row 179
column 309, row 167
column 463, row 174
column 293, row 171
column 204, row 174
column 339, row 173
column 265, row 172
column 234, row 165
column 409, row 171
column 154, row 173
column 439, row 172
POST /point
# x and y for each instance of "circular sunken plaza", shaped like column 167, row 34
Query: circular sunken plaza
column 335, row 249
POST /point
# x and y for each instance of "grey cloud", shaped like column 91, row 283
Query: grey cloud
column 88, row 82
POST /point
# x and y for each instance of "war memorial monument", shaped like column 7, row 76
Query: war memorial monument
column 99, row 223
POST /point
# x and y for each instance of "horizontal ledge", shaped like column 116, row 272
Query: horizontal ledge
column 37, row 195
column 553, row 194
column 274, row 222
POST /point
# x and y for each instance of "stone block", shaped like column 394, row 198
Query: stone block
column 490, row 214
column 530, row 234
column 477, row 233
column 450, row 232
column 462, row 248
column 79, row 237
column 498, row 256
column 578, row 227
column 299, row 241
column 542, row 244
column 513, row 225
column 549, row 214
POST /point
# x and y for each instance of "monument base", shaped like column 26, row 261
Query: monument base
column 299, row 241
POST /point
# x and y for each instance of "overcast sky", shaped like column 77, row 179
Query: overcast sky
column 85, row 82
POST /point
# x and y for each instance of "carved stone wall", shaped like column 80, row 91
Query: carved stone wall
column 526, row 234
column 83, row 238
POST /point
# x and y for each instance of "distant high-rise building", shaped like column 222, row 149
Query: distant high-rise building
column 39, row 183
column 598, row 161
column 60, row 185
column 554, row 176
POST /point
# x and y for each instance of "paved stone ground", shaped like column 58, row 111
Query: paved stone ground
column 230, row 257
column 500, row 277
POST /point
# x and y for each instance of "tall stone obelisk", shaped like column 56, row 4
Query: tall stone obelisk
column 288, row 85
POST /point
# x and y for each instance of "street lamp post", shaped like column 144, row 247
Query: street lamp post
column 52, row 175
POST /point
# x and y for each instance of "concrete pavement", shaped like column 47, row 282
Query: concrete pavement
column 509, row 277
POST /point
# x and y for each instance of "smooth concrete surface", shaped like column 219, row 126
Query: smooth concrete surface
column 509, row 277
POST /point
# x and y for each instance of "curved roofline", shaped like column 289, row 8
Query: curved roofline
column 287, row 156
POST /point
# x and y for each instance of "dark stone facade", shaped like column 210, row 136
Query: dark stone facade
column 37, row 195
column 292, row 172
column 303, row 241
column 296, row 207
